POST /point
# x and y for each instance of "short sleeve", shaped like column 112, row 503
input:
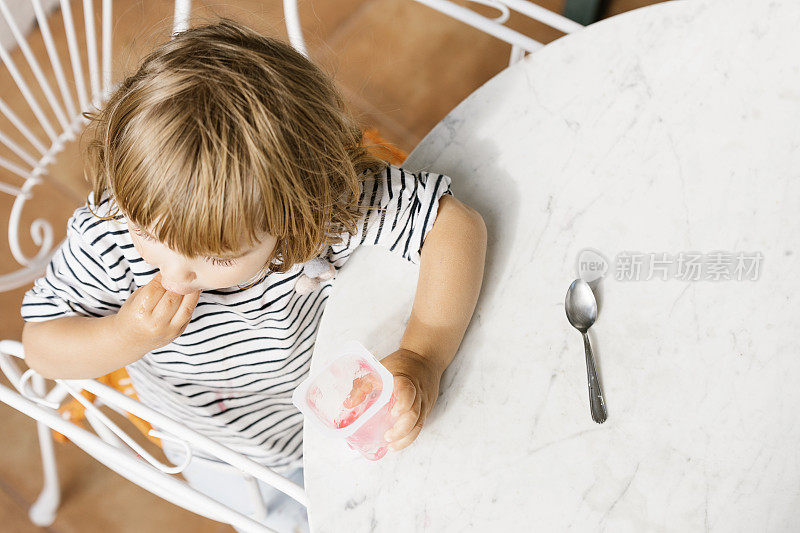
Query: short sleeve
column 76, row 282
column 410, row 202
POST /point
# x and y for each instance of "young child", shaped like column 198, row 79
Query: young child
column 223, row 168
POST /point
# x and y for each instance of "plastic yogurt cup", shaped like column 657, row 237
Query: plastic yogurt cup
column 351, row 398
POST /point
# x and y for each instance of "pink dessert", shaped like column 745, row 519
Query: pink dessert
column 365, row 391
column 369, row 438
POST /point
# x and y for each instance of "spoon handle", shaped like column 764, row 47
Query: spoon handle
column 596, row 402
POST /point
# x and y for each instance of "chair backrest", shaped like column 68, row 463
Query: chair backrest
column 520, row 44
column 29, row 155
column 108, row 445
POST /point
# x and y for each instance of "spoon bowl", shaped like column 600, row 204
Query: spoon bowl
column 580, row 305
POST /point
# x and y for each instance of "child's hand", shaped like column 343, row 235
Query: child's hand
column 416, row 384
column 153, row 317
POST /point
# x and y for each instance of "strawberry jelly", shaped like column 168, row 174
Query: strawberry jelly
column 365, row 391
column 368, row 439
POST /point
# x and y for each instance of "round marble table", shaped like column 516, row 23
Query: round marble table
column 662, row 146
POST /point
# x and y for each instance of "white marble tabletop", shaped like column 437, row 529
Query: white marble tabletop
column 672, row 130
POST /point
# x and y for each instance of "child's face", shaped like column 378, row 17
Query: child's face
column 183, row 275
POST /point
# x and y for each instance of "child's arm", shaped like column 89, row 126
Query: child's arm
column 87, row 347
column 76, row 347
column 450, row 278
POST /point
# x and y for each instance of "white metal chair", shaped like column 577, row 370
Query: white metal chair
column 109, row 444
column 135, row 464
column 520, row 44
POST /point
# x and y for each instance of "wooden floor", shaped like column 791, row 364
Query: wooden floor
column 401, row 66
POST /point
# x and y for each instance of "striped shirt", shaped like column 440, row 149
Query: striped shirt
column 231, row 373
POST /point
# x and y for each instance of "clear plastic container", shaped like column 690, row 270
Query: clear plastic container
column 351, row 398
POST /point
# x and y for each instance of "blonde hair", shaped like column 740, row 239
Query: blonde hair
column 224, row 134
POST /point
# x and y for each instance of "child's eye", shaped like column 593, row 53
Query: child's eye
column 214, row 260
column 221, row 262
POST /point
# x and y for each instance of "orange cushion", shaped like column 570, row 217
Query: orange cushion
column 73, row 410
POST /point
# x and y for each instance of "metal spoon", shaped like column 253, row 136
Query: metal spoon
column 581, row 310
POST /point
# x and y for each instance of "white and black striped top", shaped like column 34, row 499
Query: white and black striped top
column 231, row 374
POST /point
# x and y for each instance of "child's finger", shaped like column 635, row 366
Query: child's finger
column 405, row 422
column 406, row 394
column 186, row 309
column 150, row 295
column 408, row 439
column 401, row 427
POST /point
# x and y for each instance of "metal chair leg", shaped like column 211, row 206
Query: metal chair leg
column 43, row 511
column 260, row 508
